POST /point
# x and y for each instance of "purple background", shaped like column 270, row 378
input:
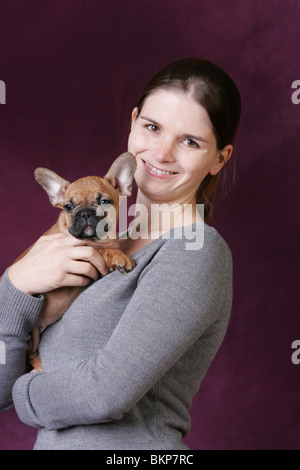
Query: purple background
column 73, row 71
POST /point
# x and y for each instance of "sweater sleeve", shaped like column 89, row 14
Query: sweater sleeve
column 18, row 314
column 178, row 296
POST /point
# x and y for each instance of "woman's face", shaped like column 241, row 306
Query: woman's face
column 174, row 145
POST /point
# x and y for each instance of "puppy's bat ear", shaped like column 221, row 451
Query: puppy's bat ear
column 121, row 173
column 54, row 185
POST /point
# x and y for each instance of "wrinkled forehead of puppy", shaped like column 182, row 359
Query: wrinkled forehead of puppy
column 91, row 189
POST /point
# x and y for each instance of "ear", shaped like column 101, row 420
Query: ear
column 121, row 173
column 54, row 185
column 133, row 116
column 223, row 157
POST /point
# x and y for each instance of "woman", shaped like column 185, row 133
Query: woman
column 123, row 364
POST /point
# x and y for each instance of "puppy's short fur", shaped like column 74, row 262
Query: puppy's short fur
column 90, row 209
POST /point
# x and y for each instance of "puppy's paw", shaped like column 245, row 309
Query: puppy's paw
column 117, row 260
column 122, row 263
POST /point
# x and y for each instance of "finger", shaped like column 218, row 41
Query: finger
column 73, row 241
column 52, row 236
column 75, row 280
column 84, row 268
column 103, row 243
column 87, row 253
column 66, row 238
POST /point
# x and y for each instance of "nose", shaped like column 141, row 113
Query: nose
column 164, row 151
column 86, row 214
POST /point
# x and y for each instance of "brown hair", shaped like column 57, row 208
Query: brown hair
column 213, row 89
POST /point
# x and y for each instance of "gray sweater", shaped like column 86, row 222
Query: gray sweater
column 123, row 364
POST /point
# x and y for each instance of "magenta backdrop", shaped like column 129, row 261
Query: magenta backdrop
column 73, row 70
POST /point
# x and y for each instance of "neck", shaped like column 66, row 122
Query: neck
column 152, row 219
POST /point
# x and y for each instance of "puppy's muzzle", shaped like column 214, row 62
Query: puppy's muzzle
column 84, row 224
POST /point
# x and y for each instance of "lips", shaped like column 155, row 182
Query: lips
column 83, row 231
column 158, row 171
column 85, row 224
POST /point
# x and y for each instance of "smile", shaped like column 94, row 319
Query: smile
column 156, row 171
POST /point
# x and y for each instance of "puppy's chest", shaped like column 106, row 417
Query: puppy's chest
column 90, row 321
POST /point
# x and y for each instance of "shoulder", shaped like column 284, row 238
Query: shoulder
column 198, row 256
column 197, row 244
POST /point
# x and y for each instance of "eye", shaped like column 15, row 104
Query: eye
column 152, row 127
column 105, row 203
column 190, row 143
column 68, row 207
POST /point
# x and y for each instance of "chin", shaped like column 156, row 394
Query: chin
column 157, row 197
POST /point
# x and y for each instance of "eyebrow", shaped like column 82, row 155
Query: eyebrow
column 187, row 136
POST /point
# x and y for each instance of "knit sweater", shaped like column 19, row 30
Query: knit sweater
column 122, row 365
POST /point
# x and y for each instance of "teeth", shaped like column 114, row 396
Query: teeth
column 159, row 172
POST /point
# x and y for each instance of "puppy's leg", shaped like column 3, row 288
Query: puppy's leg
column 116, row 259
column 32, row 351
column 37, row 363
column 33, row 343
column 56, row 303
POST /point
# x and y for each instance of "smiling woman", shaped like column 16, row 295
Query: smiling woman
column 120, row 369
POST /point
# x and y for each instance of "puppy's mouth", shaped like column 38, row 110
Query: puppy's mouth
column 88, row 232
column 86, row 225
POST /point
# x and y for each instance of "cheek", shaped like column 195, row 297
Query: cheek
column 200, row 167
column 65, row 220
column 138, row 141
column 195, row 174
column 132, row 142
column 194, row 171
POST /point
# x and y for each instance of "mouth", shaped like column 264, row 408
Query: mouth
column 88, row 232
column 91, row 233
column 158, row 172
column 88, row 226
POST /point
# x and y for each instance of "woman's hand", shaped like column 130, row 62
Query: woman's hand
column 57, row 261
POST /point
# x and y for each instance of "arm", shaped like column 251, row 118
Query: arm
column 18, row 313
column 52, row 262
column 175, row 301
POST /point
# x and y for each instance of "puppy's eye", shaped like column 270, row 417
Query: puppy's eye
column 105, row 203
column 68, row 207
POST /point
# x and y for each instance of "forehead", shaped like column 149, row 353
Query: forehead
column 178, row 108
column 88, row 189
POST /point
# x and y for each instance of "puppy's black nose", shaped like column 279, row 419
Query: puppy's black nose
column 86, row 214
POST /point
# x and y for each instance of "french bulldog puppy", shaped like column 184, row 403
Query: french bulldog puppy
column 90, row 210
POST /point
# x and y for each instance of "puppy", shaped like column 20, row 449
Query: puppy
column 90, row 209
